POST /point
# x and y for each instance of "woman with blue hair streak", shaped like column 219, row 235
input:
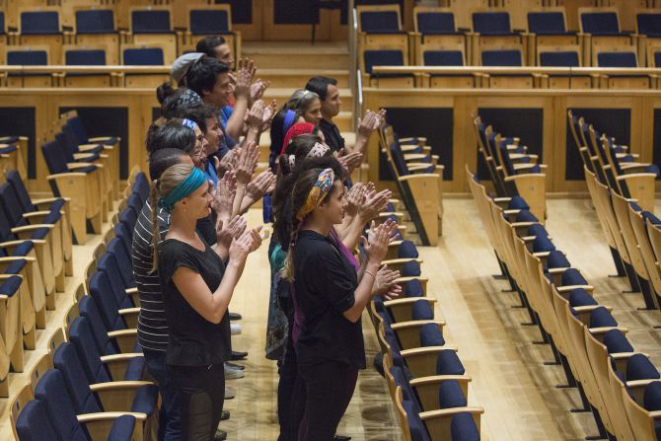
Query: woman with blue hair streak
column 197, row 289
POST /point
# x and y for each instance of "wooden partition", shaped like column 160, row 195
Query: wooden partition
column 538, row 117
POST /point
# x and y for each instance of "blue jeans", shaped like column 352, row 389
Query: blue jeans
column 169, row 426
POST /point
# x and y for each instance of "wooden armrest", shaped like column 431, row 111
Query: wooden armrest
column 573, row 287
column 589, row 308
column 434, row 379
column 605, row 329
column 34, row 227
column 113, row 385
column 104, row 416
column 400, row 261
column 129, row 311
column 416, row 324
column 131, row 290
column 426, row 350
column 446, row 413
column 120, row 357
column 557, row 270
column 407, row 301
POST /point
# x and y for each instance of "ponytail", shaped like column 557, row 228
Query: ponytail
column 156, row 231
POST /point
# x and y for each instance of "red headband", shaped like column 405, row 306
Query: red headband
column 294, row 132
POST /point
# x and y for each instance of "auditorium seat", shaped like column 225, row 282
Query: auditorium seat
column 548, row 27
column 492, row 29
column 152, row 25
column 209, row 20
column 152, row 54
column 642, row 403
column 109, row 342
column 11, row 335
column 71, row 181
column 601, row 27
column 115, row 318
column 40, row 26
column 648, row 35
column 78, row 55
column 563, row 56
column 450, row 56
column 621, row 57
column 54, row 415
column 29, row 56
column 506, row 57
column 96, row 26
column 435, row 29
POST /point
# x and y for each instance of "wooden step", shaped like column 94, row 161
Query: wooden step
column 282, row 94
column 297, row 78
column 295, row 55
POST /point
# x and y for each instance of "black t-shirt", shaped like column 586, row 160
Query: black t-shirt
column 332, row 135
column 194, row 341
column 324, row 286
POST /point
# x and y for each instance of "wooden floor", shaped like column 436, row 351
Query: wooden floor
column 518, row 392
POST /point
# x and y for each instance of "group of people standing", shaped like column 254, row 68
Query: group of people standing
column 191, row 244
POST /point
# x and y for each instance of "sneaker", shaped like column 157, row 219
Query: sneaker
column 235, row 316
column 236, row 328
column 225, row 415
column 229, row 394
column 239, row 355
column 233, row 374
column 220, row 435
column 234, row 365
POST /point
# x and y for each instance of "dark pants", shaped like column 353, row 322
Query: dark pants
column 329, row 386
column 291, row 389
column 201, row 394
column 169, row 424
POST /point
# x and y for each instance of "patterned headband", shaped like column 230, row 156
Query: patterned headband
column 188, row 123
column 318, row 151
column 321, row 188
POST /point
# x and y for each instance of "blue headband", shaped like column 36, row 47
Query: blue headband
column 185, row 188
column 188, row 123
column 290, row 116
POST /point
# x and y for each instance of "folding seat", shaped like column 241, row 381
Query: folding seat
column 435, row 28
column 96, row 26
column 141, row 186
column 449, row 56
column 62, row 422
column 36, row 209
column 648, row 35
column 620, row 57
column 40, row 26
column 492, row 29
column 152, row 54
column 11, row 330
column 115, row 318
column 208, row 20
column 642, row 403
column 548, row 27
column 506, row 57
column 605, row 342
column 562, row 56
column 110, row 146
column 109, row 342
column 29, row 56
column 111, row 263
column 86, row 56
column 149, row 25
column 600, row 27
column 71, row 180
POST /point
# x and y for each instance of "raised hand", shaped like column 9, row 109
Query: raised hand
column 269, row 113
column 374, row 204
column 367, row 124
column 248, row 242
column 354, row 198
column 244, row 76
column 376, row 245
column 223, row 196
column 255, row 115
column 257, row 89
column 227, row 231
column 246, row 163
column 260, row 185
column 351, row 161
column 385, row 281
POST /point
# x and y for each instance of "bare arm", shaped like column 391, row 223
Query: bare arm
column 245, row 73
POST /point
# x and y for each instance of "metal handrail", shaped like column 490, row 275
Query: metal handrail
column 354, row 75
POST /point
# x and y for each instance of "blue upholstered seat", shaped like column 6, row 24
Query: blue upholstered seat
column 451, row 395
column 151, row 22
column 617, row 59
column 559, row 59
column 616, row 342
column 639, row 367
column 148, row 56
column 649, row 23
column 580, row 297
column 379, row 22
column 448, row 363
column 83, row 57
column 443, row 58
column 508, row 58
column 573, row 277
column 40, row 23
column 411, row 269
column 557, row 259
column 436, row 23
column 33, row 423
column 208, row 22
column 600, row 23
column 27, row 58
column 492, row 23
column 517, row 203
column 601, row 318
column 546, row 23
column 407, row 249
column 431, row 335
column 542, row 244
column 413, row 288
column 95, row 21
column 383, row 57
column 422, row 310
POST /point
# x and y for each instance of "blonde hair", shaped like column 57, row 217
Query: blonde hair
column 161, row 187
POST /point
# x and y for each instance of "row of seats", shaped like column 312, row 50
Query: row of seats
column 93, row 384
column 419, row 179
column 493, row 43
column 513, row 171
column 426, row 379
column 623, row 192
column 95, row 28
column 84, row 169
column 615, row 382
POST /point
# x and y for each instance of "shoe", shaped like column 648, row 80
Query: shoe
column 229, row 394
column 235, row 316
column 342, row 438
column 234, row 365
column 239, row 355
column 233, row 374
column 225, row 415
column 236, row 328
column 220, row 435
